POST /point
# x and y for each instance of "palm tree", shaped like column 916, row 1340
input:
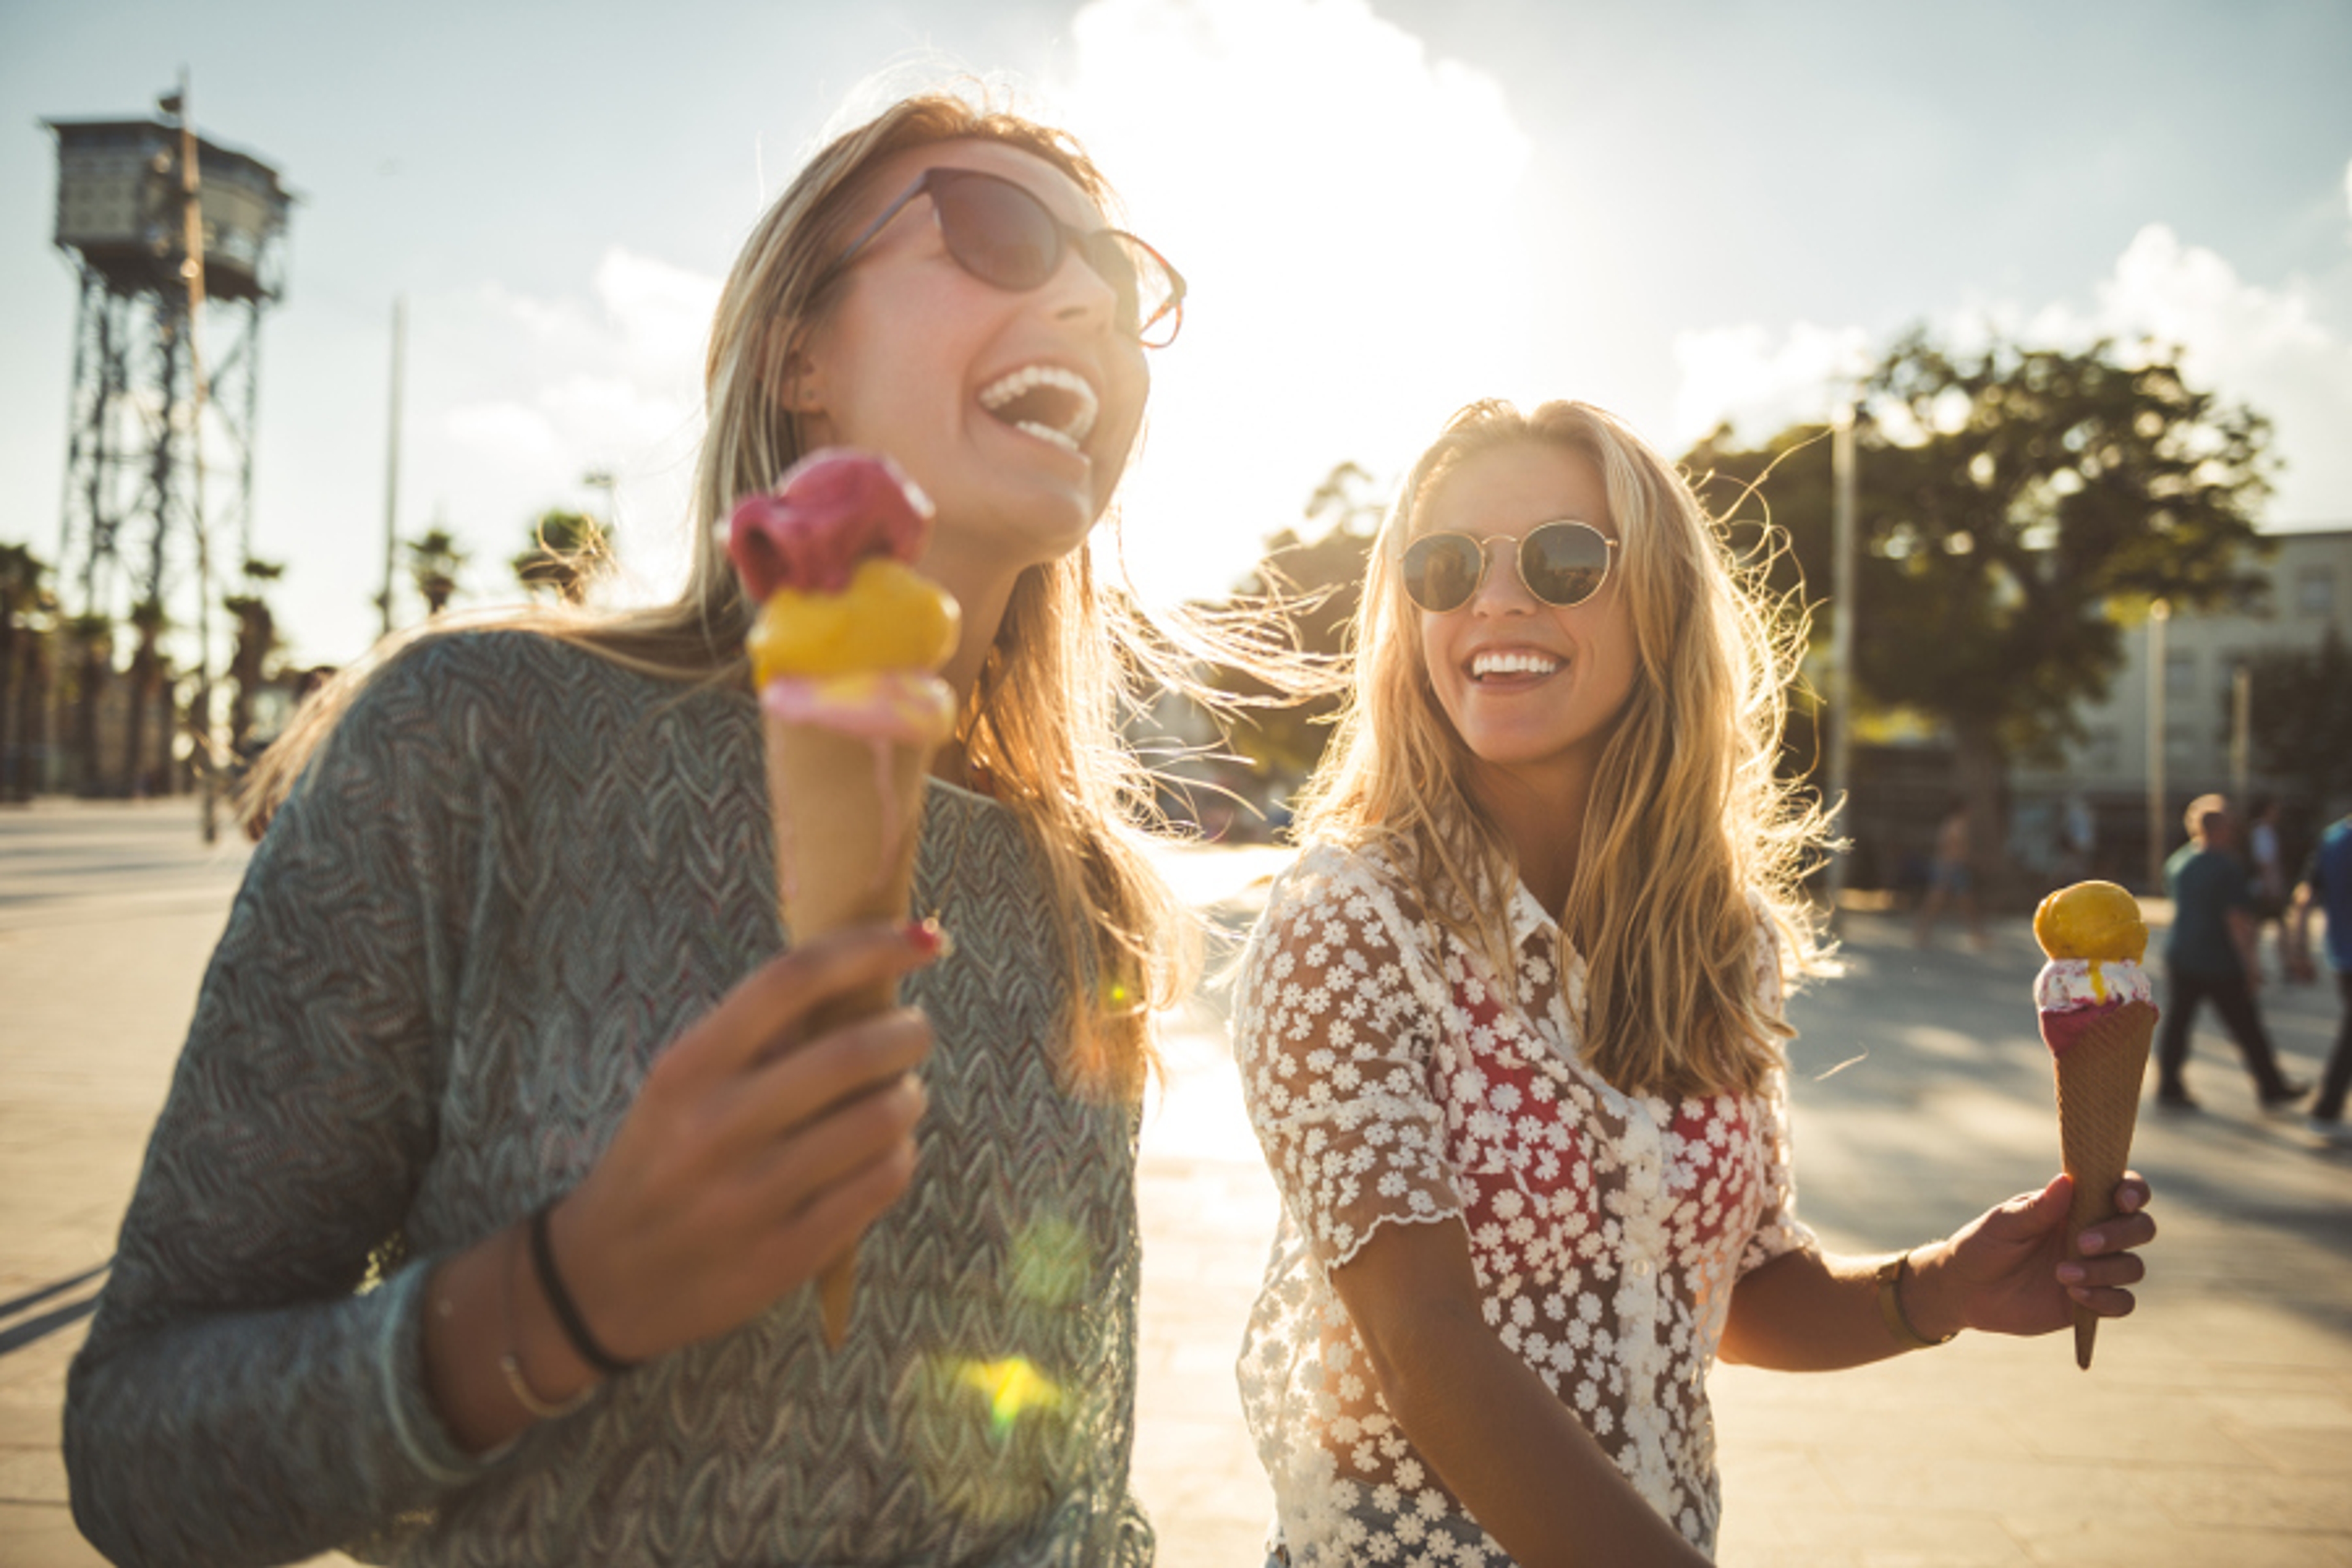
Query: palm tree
column 91, row 638
column 150, row 678
column 433, row 562
column 569, row 550
column 257, row 639
column 24, row 600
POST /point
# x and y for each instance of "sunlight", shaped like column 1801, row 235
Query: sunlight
column 1345, row 206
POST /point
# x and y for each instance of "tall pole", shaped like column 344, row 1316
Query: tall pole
column 2158, row 614
column 1841, row 708
column 391, row 454
column 2241, row 732
column 192, row 269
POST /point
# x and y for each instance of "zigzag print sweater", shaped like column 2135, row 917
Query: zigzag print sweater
column 512, row 874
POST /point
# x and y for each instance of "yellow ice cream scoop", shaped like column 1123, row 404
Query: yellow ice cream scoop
column 2090, row 919
column 890, row 618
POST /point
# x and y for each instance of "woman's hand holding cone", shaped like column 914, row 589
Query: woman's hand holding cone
column 2008, row 1272
column 754, row 1153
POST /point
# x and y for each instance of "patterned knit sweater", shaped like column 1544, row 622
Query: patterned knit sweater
column 514, row 872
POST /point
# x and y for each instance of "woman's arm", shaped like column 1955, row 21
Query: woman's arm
column 1503, row 1443
column 2005, row 1273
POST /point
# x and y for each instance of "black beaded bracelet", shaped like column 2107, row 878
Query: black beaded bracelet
column 567, row 1310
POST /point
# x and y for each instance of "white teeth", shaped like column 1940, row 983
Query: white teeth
column 1075, row 425
column 1515, row 663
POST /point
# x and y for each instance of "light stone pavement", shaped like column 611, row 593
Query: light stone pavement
column 2216, row 1426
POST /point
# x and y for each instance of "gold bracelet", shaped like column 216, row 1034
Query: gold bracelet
column 1890, row 1305
column 517, row 1383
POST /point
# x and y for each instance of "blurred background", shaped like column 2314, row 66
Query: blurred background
column 2061, row 299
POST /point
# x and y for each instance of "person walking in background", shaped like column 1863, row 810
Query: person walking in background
column 2267, row 866
column 1510, row 1035
column 1951, row 880
column 2208, row 955
column 2326, row 885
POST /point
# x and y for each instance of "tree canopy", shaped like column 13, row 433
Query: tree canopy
column 569, row 550
column 2017, row 510
column 2301, row 709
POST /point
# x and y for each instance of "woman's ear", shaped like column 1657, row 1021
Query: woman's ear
column 792, row 378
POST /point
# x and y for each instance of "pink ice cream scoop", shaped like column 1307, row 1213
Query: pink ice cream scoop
column 833, row 509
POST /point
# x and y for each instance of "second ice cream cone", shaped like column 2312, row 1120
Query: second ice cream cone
column 847, row 814
column 2099, row 1076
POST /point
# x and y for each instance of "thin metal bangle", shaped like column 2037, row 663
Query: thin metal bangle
column 510, row 1361
column 567, row 1310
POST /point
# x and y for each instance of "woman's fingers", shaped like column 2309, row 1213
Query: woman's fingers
column 801, row 1085
column 822, row 1155
column 759, row 1014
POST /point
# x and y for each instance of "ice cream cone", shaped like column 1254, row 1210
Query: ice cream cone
column 2099, row 1074
column 846, row 812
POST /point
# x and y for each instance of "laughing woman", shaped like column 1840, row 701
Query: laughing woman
column 476, row 1226
column 1510, row 1036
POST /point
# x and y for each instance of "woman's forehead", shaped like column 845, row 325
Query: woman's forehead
column 1509, row 488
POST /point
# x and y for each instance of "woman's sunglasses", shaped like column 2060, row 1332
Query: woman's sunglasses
column 1563, row 564
column 1003, row 236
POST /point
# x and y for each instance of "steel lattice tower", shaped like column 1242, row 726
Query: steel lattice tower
column 129, row 535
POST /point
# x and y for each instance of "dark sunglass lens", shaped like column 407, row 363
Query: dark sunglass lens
column 998, row 232
column 1564, row 563
column 1440, row 572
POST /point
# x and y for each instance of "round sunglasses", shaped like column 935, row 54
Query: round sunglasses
column 1563, row 564
column 1003, row 235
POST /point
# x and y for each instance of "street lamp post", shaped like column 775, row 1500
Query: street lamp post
column 2158, row 614
column 1841, row 704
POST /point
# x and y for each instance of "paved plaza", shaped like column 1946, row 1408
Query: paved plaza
column 2216, row 1426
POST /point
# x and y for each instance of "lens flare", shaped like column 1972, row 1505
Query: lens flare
column 1013, row 1388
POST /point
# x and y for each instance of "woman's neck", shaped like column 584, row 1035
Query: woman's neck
column 982, row 587
column 1541, row 815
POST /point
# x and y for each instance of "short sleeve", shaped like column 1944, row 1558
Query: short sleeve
column 1333, row 1033
column 1778, row 1230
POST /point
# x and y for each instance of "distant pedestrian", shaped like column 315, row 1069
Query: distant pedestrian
column 2268, row 869
column 2209, row 955
column 1950, row 878
column 2327, row 883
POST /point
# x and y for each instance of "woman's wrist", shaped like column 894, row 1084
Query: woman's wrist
column 1927, row 1294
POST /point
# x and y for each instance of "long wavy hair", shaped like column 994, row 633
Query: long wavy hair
column 1689, row 830
column 1042, row 721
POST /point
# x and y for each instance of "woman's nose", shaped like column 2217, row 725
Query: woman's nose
column 1500, row 592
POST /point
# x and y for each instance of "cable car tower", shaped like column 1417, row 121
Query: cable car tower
column 165, row 362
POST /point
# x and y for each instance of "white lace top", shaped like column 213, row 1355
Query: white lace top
column 1394, row 1078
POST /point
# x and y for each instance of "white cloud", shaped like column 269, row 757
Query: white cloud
column 1740, row 374
column 1343, row 203
column 2270, row 348
column 609, row 379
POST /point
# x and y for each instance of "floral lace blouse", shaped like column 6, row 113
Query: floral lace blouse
column 1394, row 1078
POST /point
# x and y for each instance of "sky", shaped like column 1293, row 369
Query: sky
column 1685, row 212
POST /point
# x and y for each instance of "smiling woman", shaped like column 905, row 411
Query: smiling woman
column 507, row 1262
column 1510, row 1029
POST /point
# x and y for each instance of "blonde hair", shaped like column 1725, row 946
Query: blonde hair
column 1041, row 724
column 1688, row 822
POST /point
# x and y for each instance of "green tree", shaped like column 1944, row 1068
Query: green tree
column 257, row 639
column 2301, row 717
column 569, row 550
column 1321, row 579
column 89, row 639
column 2017, row 508
column 433, row 562
column 151, row 680
column 26, row 610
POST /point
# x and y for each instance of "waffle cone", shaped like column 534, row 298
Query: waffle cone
column 846, row 812
column 2098, row 1106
